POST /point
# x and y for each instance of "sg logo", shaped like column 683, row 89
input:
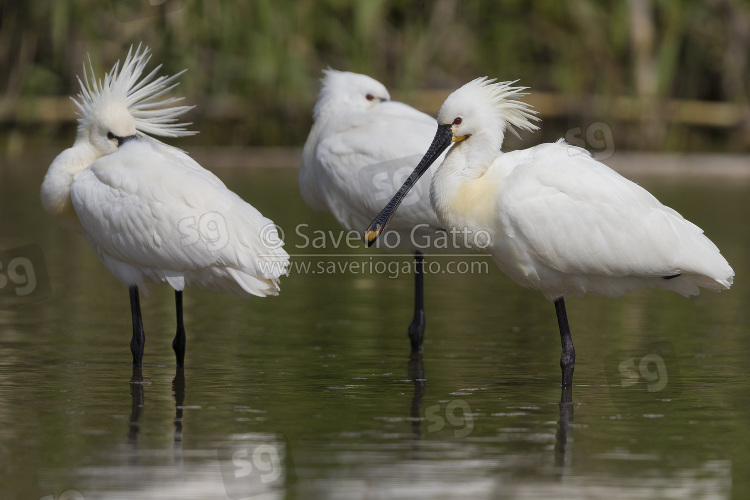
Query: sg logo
column 387, row 177
column 264, row 462
column 597, row 138
column 456, row 414
column 210, row 228
column 65, row 495
column 647, row 375
column 255, row 468
column 651, row 368
column 23, row 273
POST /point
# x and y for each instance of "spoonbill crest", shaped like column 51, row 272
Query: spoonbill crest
column 361, row 146
column 559, row 221
column 149, row 211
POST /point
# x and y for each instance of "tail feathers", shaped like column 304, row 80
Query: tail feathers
column 235, row 281
column 692, row 282
column 715, row 274
column 260, row 287
column 688, row 283
column 712, row 283
column 261, row 280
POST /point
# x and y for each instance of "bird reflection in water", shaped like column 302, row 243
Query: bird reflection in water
column 416, row 374
column 136, row 394
column 415, row 368
column 136, row 410
column 178, row 390
column 562, row 450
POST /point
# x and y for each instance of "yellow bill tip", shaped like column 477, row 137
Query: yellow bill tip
column 371, row 235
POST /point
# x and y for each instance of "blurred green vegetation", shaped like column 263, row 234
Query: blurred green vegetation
column 253, row 67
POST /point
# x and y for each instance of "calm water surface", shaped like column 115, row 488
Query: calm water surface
column 312, row 394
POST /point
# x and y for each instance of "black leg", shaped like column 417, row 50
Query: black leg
column 416, row 329
column 568, row 357
column 178, row 344
column 139, row 338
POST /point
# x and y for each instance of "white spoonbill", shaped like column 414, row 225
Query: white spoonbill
column 559, row 221
column 361, row 146
column 149, row 211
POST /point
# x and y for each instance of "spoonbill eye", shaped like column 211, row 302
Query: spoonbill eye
column 369, row 97
column 457, row 121
column 110, row 135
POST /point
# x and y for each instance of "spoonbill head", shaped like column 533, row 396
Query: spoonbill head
column 481, row 110
column 344, row 91
column 559, row 221
column 149, row 211
column 110, row 113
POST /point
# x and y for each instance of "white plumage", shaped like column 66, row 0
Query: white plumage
column 565, row 224
column 558, row 221
column 361, row 147
column 130, row 204
column 359, row 150
column 149, row 211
